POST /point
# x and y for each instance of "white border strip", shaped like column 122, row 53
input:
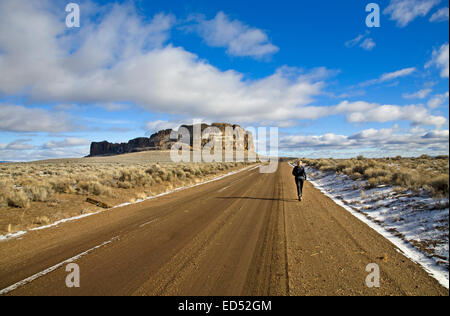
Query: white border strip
column 53, row 268
column 21, row 233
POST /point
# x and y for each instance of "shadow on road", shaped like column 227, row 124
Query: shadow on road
column 256, row 198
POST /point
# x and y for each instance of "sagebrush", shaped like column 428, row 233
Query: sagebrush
column 419, row 173
column 21, row 184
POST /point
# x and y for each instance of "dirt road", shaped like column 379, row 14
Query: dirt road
column 243, row 235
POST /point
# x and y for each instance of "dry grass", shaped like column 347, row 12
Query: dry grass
column 21, row 184
column 425, row 172
column 34, row 194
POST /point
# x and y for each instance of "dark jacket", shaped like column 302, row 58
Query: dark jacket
column 299, row 173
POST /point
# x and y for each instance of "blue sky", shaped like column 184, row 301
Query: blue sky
column 333, row 86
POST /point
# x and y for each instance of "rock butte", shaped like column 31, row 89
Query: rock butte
column 161, row 141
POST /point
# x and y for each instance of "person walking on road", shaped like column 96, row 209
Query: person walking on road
column 300, row 177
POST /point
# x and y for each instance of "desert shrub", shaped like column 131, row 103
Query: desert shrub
column 327, row 167
column 355, row 175
column 359, row 168
column 22, row 184
column 341, row 166
column 17, row 198
column 62, row 185
column 41, row 220
column 94, row 188
column 180, row 174
column 403, row 178
column 423, row 172
column 12, row 195
column 39, row 192
column 375, row 173
column 372, row 183
column 440, row 184
column 124, row 185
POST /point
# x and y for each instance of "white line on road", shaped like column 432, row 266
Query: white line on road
column 223, row 189
column 53, row 268
column 148, row 223
column 231, row 184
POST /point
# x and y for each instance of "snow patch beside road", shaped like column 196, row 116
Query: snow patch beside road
column 414, row 222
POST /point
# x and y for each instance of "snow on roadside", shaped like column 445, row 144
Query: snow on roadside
column 416, row 223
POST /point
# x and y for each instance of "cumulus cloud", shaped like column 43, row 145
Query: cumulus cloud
column 37, row 153
column 239, row 38
column 16, row 118
column 19, row 144
column 122, row 59
column 439, row 59
column 390, row 76
column 360, row 112
column 438, row 100
column 158, row 125
column 440, row 16
column 22, row 150
column 385, row 141
column 443, row 134
column 315, row 141
column 68, row 142
column 405, row 11
column 355, row 112
column 113, row 107
column 421, row 94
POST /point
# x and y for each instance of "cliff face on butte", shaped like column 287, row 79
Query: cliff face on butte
column 162, row 141
column 158, row 141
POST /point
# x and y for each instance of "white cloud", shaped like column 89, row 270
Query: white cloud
column 439, row 59
column 37, row 47
column 440, row 16
column 405, row 11
column 355, row 112
column 157, row 77
column 390, row 76
column 238, row 38
column 27, row 152
column 441, row 134
column 355, row 41
column 397, row 74
column 363, row 41
column 363, row 112
column 14, row 118
column 386, row 142
column 142, row 72
column 68, row 142
column 155, row 126
column 438, row 100
column 19, row 144
column 112, row 107
column 312, row 141
column 368, row 44
column 421, row 94
column 22, row 150
column 373, row 134
column 415, row 114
